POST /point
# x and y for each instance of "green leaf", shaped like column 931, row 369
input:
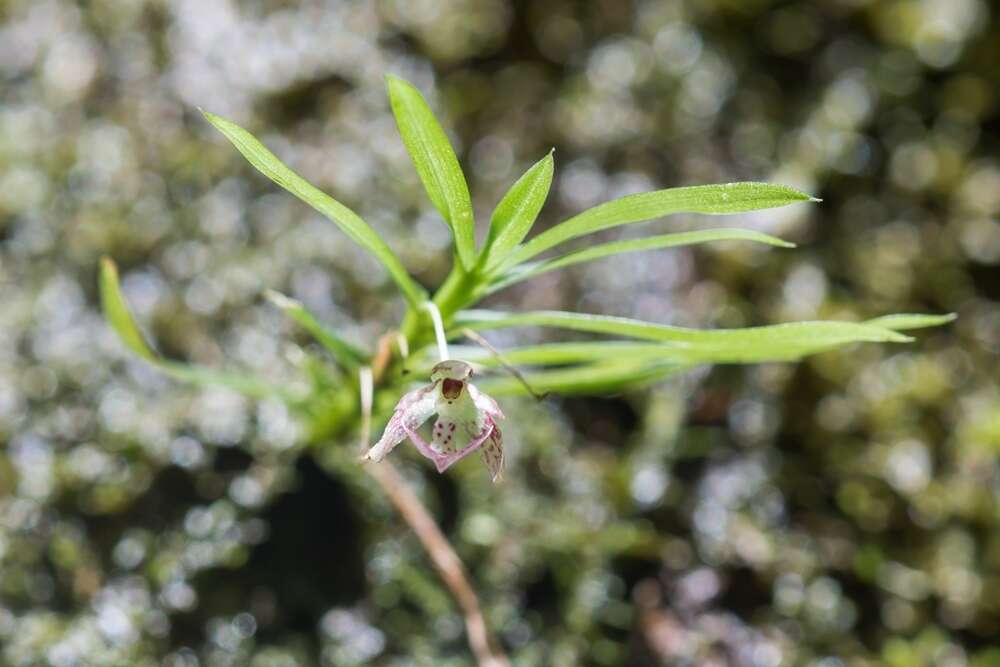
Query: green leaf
column 516, row 213
column 268, row 164
column 905, row 321
column 805, row 333
column 117, row 313
column 526, row 271
column 436, row 164
column 598, row 378
column 347, row 354
column 586, row 367
column 709, row 199
column 693, row 352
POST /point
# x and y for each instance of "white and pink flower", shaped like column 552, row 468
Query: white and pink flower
column 466, row 420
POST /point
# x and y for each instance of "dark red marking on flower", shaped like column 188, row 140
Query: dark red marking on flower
column 451, row 389
column 452, row 427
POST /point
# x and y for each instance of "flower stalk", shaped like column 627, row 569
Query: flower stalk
column 442, row 340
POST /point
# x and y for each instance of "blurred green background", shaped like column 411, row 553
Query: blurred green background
column 836, row 513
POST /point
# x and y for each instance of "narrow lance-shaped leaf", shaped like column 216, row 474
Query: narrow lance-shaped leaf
column 344, row 352
column 702, row 352
column 526, row 271
column 268, row 164
column 824, row 333
column 436, row 164
column 709, row 199
column 117, row 313
column 516, row 213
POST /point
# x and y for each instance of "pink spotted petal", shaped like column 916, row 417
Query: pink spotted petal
column 493, row 454
column 413, row 409
column 421, row 444
column 445, row 436
column 443, row 462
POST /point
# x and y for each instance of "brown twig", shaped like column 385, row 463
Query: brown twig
column 445, row 560
column 442, row 554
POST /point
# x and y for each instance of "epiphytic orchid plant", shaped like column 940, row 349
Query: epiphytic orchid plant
column 637, row 353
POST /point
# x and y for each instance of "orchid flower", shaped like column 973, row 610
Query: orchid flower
column 466, row 420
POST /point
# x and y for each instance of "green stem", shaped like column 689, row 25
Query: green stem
column 458, row 289
column 456, row 292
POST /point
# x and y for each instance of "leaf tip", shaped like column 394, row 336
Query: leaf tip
column 799, row 195
column 218, row 122
column 393, row 82
column 280, row 300
column 549, row 160
column 108, row 267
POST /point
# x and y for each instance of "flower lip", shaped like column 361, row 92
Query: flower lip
column 452, row 369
